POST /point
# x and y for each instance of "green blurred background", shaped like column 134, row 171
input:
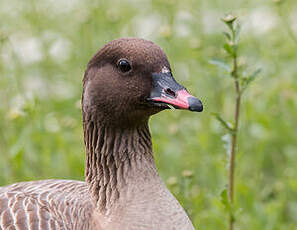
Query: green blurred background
column 46, row 44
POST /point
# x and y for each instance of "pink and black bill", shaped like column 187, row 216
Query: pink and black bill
column 166, row 91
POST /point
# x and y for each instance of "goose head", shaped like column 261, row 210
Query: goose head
column 130, row 79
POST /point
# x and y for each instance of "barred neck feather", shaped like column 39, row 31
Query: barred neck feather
column 115, row 158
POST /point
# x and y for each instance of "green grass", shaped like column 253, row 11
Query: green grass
column 45, row 46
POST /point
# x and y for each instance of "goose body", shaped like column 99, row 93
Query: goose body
column 66, row 204
column 126, row 82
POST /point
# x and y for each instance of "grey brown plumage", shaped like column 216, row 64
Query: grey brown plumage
column 123, row 189
column 47, row 204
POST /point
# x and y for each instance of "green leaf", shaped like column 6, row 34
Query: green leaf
column 225, row 200
column 221, row 64
column 229, row 49
column 223, row 122
column 254, row 75
column 247, row 80
column 237, row 33
column 228, row 36
column 228, row 206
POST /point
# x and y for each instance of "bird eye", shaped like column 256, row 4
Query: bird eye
column 124, row 65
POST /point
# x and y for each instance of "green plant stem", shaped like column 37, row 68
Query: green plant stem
column 234, row 138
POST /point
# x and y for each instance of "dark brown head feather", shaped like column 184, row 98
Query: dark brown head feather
column 116, row 96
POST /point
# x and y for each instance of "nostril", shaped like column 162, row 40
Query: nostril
column 170, row 92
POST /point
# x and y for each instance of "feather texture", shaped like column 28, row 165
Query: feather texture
column 47, row 204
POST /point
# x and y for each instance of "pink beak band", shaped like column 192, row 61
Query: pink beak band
column 183, row 100
column 166, row 91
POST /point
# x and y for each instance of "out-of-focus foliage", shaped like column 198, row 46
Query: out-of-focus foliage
column 46, row 44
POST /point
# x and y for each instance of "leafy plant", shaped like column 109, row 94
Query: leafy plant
column 241, row 83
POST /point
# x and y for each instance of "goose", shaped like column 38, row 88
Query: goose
column 126, row 81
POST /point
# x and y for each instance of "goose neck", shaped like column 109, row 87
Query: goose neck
column 117, row 159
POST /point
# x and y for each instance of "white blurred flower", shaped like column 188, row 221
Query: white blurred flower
column 14, row 113
column 227, row 143
column 147, row 25
column 61, row 6
column 12, row 8
column 182, row 23
column 62, row 89
column 165, row 30
column 172, row 181
column 28, row 49
column 16, row 110
column 188, row 173
column 260, row 20
column 51, row 123
column 258, row 131
column 211, row 21
column 35, row 85
column 60, row 49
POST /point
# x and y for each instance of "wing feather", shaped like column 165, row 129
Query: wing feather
column 45, row 205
